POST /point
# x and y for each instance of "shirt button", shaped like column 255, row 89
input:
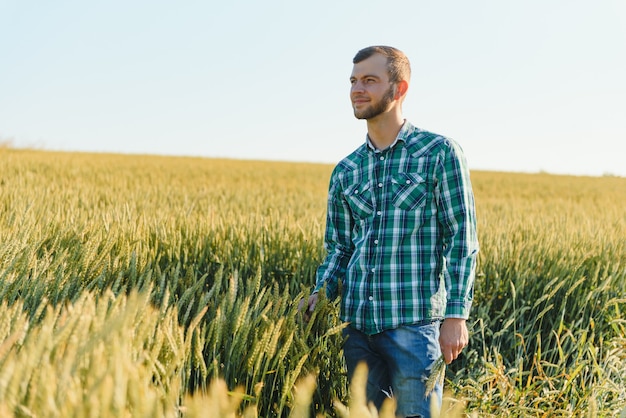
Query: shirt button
column 376, row 241
column 382, row 158
column 408, row 182
column 380, row 185
column 371, row 298
column 373, row 270
column 379, row 213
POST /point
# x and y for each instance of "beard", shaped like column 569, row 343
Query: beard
column 377, row 108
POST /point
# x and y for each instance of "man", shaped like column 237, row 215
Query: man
column 401, row 238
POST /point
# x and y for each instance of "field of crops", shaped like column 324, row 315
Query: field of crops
column 144, row 286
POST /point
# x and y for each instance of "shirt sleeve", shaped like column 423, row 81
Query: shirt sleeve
column 457, row 217
column 337, row 240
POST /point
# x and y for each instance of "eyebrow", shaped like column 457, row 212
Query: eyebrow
column 365, row 76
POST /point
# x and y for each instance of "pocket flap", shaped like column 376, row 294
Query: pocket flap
column 407, row 179
column 356, row 189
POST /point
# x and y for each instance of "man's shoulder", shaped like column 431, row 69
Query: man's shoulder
column 421, row 142
column 353, row 160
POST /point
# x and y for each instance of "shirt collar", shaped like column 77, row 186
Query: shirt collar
column 404, row 130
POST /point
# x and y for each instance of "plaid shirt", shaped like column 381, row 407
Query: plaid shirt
column 401, row 233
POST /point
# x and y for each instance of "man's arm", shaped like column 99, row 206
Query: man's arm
column 338, row 245
column 457, row 217
column 337, row 238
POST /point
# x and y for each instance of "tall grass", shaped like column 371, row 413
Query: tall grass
column 175, row 282
column 550, row 303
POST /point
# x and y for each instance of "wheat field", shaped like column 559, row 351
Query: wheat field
column 145, row 286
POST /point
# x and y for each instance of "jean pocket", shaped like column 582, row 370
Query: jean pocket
column 410, row 191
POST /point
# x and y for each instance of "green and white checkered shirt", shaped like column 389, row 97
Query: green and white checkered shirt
column 401, row 233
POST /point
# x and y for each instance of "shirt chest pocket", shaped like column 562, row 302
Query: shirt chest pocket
column 359, row 198
column 409, row 191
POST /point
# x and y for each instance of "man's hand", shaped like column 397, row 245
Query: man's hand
column 307, row 307
column 453, row 337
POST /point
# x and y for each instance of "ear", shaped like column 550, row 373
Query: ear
column 401, row 89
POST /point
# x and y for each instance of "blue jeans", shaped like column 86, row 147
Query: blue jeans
column 400, row 359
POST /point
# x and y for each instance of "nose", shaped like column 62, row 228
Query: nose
column 356, row 87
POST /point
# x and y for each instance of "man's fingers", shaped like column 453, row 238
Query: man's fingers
column 450, row 355
column 452, row 338
column 454, row 354
column 307, row 306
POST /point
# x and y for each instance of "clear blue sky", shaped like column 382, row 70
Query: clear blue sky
column 521, row 85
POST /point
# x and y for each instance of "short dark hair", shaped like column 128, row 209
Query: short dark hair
column 398, row 65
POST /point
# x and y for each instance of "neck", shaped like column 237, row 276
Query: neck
column 383, row 131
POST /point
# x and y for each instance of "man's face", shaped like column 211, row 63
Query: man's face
column 371, row 92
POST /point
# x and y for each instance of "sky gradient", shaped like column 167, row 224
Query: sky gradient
column 522, row 86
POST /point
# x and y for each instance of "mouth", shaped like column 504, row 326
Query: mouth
column 359, row 101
